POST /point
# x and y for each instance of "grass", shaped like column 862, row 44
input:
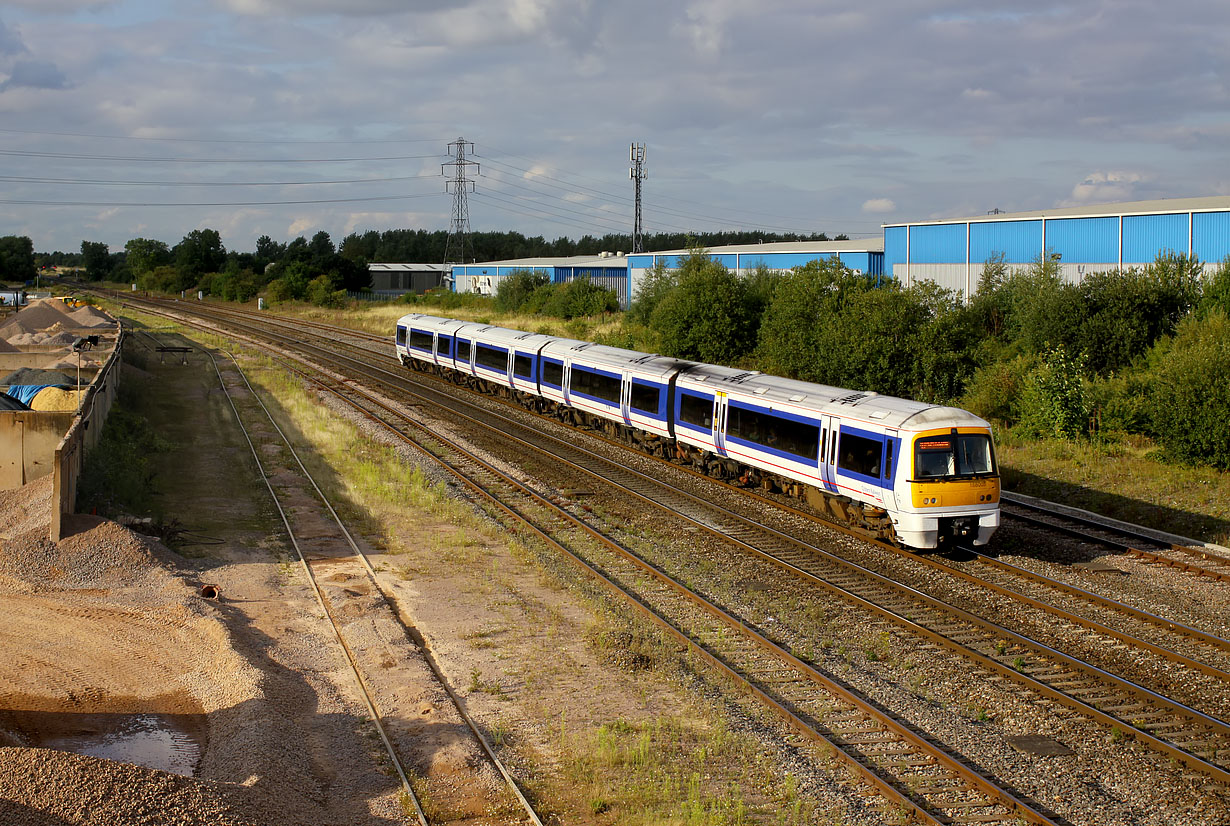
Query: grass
column 1123, row 480
column 661, row 771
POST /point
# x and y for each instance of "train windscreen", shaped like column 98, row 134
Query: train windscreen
column 953, row 456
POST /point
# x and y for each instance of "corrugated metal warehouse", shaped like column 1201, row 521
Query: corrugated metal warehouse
column 865, row 255
column 1081, row 239
column 398, row 279
column 608, row 270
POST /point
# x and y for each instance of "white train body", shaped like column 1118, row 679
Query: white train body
column 915, row 472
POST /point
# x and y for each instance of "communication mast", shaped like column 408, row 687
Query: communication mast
column 637, row 172
column 460, row 184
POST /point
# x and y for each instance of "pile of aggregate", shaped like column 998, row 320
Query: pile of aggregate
column 110, row 616
column 46, row 788
column 38, row 315
column 6, row 347
column 88, row 316
column 31, row 376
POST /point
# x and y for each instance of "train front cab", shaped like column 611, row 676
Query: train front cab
column 952, row 491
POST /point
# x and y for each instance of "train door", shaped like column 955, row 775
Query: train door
column 828, row 453
column 720, row 408
column 566, row 389
column 889, row 464
column 625, row 398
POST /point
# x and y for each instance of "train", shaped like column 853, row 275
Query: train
column 915, row 474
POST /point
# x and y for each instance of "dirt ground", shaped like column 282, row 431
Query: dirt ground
column 254, row 716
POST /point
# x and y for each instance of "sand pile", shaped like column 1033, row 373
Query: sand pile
column 88, row 316
column 6, row 347
column 38, row 316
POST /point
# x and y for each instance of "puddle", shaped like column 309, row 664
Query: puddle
column 168, row 742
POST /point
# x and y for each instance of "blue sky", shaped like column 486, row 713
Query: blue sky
column 124, row 119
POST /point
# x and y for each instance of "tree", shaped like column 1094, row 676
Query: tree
column 707, row 315
column 268, row 250
column 16, row 258
column 144, row 254
column 1191, row 391
column 200, row 251
column 96, row 258
column 515, row 289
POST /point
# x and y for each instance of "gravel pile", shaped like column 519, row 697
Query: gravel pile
column 49, row 787
column 31, row 376
column 88, row 316
column 39, row 316
column 5, row 347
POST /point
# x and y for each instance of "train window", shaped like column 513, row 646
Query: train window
column 967, row 454
column 523, row 366
column 824, row 434
column 492, row 358
column 401, row 336
column 463, row 350
column 444, row 346
column 646, row 397
column 765, row 429
column 420, row 340
column 552, row 373
column 594, row 384
column 696, row 410
column 860, row 455
column 888, row 460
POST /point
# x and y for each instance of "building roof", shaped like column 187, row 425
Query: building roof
column 1162, row 206
column 616, row 261
column 856, row 245
column 409, row 267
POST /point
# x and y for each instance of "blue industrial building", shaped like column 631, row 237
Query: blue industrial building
column 864, row 255
column 1082, row 240
column 608, row 270
column 949, row 252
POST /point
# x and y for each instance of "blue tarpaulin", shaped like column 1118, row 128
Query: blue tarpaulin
column 25, row 393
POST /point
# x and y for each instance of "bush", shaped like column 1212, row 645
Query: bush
column 1053, row 402
column 995, row 391
column 706, row 316
column 1191, row 391
column 515, row 290
column 579, row 297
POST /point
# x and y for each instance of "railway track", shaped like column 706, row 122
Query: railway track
column 344, row 584
column 1148, row 546
column 1179, row 731
column 914, row 775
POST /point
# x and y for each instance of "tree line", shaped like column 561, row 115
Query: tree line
column 317, row 270
column 1143, row 351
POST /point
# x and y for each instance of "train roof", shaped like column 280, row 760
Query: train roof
column 615, row 358
column 888, row 411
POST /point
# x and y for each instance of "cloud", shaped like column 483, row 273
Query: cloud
column 35, row 74
column 342, row 8
column 10, row 41
column 1103, row 187
column 876, row 205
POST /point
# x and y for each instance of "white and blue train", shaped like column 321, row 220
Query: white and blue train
column 913, row 473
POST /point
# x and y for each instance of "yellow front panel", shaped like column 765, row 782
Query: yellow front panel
column 955, row 493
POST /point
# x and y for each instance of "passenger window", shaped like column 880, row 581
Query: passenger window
column 696, row 410
column 401, row 336
column 463, row 350
column 444, row 346
column 646, row 397
column 523, row 366
column 552, row 373
column 861, row 455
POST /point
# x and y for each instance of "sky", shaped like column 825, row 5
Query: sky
column 151, row 118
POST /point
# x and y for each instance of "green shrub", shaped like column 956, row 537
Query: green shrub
column 995, row 391
column 706, row 316
column 516, row 289
column 1053, row 402
column 1191, row 391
